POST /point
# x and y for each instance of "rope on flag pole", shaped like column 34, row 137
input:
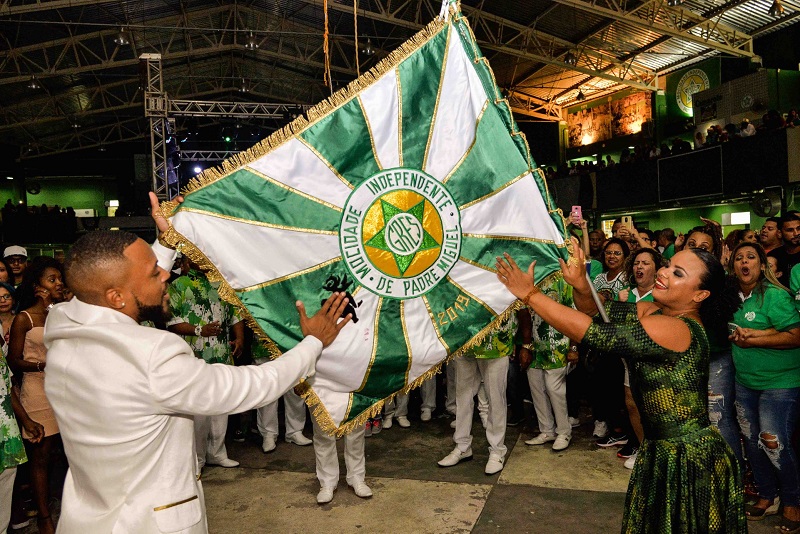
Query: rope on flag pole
column 355, row 34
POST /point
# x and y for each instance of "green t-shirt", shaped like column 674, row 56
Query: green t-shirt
column 195, row 300
column 764, row 368
column 595, row 268
column 550, row 347
column 669, row 251
column 794, row 285
column 499, row 343
column 12, row 451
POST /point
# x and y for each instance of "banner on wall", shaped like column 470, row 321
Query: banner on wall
column 401, row 190
column 684, row 83
column 606, row 120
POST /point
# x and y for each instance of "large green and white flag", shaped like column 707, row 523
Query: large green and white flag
column 400, row 189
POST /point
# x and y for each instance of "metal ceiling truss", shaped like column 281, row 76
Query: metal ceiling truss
column 207, row 155
column 534, row 107
column 197, row 108
column 100, row 136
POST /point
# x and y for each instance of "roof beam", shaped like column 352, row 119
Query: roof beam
column 7, row 9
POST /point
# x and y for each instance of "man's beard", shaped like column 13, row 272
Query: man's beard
column 155, row 313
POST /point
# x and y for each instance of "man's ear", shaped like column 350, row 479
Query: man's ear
column 114, row 298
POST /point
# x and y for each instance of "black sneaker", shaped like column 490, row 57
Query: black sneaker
column 628, row 450
column 612, row 441
column 238, row 435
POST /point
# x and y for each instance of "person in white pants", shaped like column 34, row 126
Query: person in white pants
column 397, row 408
column 328, row 463
column 489, row 362
column 295, row 413
column 548, row 367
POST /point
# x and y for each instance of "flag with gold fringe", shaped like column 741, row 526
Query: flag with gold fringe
column 400, row 189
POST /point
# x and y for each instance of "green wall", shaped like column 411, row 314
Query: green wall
column 684, row 219
column 80, row 193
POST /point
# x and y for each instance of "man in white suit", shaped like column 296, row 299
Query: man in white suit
column 124, row 394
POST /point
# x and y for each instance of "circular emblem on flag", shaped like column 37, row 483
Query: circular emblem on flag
column 694, row 81
column 400, row 233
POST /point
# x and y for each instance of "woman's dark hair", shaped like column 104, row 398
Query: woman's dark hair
column 26, row 294
column 658, row 261
column 615, row 241
column 7, row 265
column 714, row 232
column 717, row 310
column 766, row 278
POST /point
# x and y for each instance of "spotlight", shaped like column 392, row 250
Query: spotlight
column 776, row 9
column 570, row 58
column 227, row 138
column 368, row 50
column 580, row 97
column 102, row 148
column 251, row 43
column 198, row 169
column 122, row 38
column 244, row 88
column 34, row 84
column 674, row 3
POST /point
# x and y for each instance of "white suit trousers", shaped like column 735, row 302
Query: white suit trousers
column 450, row 405
column 209, row 439
column 469, row 371
column 294, row 411
column 6, row 490
column 398, row 407
column 549, row 393
column 328, row 459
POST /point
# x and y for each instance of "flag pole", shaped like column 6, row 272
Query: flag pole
column 596, row 297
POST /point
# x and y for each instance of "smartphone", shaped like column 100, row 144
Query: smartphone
column 732, row 328
column 627, row 222
column 577, row 213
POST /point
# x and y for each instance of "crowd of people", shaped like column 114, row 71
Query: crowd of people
column 696, row 372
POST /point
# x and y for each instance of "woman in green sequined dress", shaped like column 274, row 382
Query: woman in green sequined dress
column 686, row 478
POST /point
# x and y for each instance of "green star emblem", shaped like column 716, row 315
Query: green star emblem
column 403, row 234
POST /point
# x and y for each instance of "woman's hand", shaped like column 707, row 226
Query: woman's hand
column 622, row 296
column 726, row 255
column 520, row 284
column 679, row 241
column 33, row 429
column 574, row 270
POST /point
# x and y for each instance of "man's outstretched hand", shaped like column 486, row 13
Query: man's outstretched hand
column 325, row 325
column 155, row 212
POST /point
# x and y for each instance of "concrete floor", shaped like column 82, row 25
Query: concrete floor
column 579, row 490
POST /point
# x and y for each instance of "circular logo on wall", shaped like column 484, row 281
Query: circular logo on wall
column 747, row 101
column 400, row 233
column 693, row 81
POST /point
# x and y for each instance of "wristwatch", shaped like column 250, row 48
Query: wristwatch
column 198, row 330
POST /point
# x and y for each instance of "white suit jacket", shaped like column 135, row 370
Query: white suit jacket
column 124, row 395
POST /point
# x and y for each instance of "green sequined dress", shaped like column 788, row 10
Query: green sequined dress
column 686, row 478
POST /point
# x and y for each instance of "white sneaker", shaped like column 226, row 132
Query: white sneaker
column 225, row 462
column 541, row 439
column 425, row 415
column 561, row 442
column 325, row 495
column 574, row 421
column 298, row 439
column 494, row 465
column 453, row 423
column 361, row 489
column 387, row 421
column 403, row 421
column 455, row 457
column 629, row 462
column 268, row 445
column 600, row 429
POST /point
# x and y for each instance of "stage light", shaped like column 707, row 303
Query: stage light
column 251, row 43
column 368, row 50
column 570, row 58
column 198, row 169
column 34, row 84
column 122, row 37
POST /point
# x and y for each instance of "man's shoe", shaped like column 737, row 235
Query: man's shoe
column 403, row 421
column 541, row 439
column 376, row 426
column 627, row 451
column 268, row 444
column 361, row 489
column 515, row 421
column 425, row 415
column 238, row 435
column 494, row 465
column 612, row 441
column 630, row 462
column 325, row 495
column 225, row 462
column 387, row 421
column 574, row 422
column 600, row 429
column 368, row 429
column 22, row 523
column 455, row 457
column 298, row 439
column 561, row 442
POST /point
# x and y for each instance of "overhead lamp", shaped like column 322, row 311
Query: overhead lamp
column 122, row 38
column 570, row 58
column 34, row 84
column 368, row 50
column 776, row 9
column 674, row 3
column 580, row 97
column 101, row 148
column 243, row 88
column 251, row 43
column 75, row 124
